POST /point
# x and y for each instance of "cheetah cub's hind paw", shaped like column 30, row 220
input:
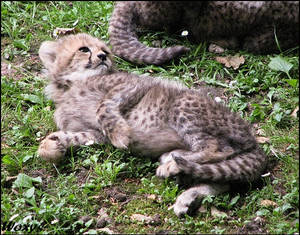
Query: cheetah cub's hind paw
column 120, row 136
column 184, row 165
column 168, row 169
column 51, row 149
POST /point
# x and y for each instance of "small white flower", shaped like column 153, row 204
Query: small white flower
column 231, row 84
column 55, row 33
column 54, row 221
column 218, row 99
column 184, row 33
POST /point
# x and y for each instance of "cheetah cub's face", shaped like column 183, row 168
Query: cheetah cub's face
column 79, row 55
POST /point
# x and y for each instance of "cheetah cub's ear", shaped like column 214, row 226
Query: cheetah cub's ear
column 47, row 54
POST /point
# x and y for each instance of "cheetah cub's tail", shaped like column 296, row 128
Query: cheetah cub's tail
column 125, row 44
column 245, row 167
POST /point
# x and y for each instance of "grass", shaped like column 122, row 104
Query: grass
column 37, row 197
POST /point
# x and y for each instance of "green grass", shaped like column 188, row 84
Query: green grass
column 53, row 200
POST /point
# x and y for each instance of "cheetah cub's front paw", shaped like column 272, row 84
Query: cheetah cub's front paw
column 51, row 149
column 184, row 203
column 120, row 135
column 167, row 169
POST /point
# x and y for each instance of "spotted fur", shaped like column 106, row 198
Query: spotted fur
column 191, row 133
column 247, row 25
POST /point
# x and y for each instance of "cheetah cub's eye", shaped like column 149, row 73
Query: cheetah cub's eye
column 84, row 49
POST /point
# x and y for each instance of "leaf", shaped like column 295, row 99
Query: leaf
column 94, row 158
column 21, row 44
column 32, row 98
column 270, row 94
column 280, row 64
column 231, row 61
column 91, row 231
column 29, row 193
column 216, row 213
column 268, row 203
column 87, row 162
column 276, row 107
column 64, row 31
column 25, row 181
column 105, row 230
column 286, row 206
column 7, row 160
column 262, row 212
column 278, row 117
column 152, row 196
column 88, row 223
column 202, row 209
column 208, row 199
column 234, row 200
column 27, row 157
column 292, row 82
column 262, row 140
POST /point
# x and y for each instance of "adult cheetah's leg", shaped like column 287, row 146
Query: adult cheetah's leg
column 263, row 40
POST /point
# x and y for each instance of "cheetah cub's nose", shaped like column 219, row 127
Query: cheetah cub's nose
column 102, row 57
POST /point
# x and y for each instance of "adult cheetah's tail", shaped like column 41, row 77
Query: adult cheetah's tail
column 245, row 167
column 125, row 44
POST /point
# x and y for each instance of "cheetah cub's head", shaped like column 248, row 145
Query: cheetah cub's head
column 79, row 55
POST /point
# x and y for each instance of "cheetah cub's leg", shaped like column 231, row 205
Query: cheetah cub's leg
column 55, row 145
column 209, row 154
column 191, row 198
column 113, row 125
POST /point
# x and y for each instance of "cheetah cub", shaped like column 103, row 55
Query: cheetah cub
column 193, row 135
column 246, row 25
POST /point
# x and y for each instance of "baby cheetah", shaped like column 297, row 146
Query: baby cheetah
column 193, row 135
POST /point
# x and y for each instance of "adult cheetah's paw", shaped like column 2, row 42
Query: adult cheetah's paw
column 51, row 149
